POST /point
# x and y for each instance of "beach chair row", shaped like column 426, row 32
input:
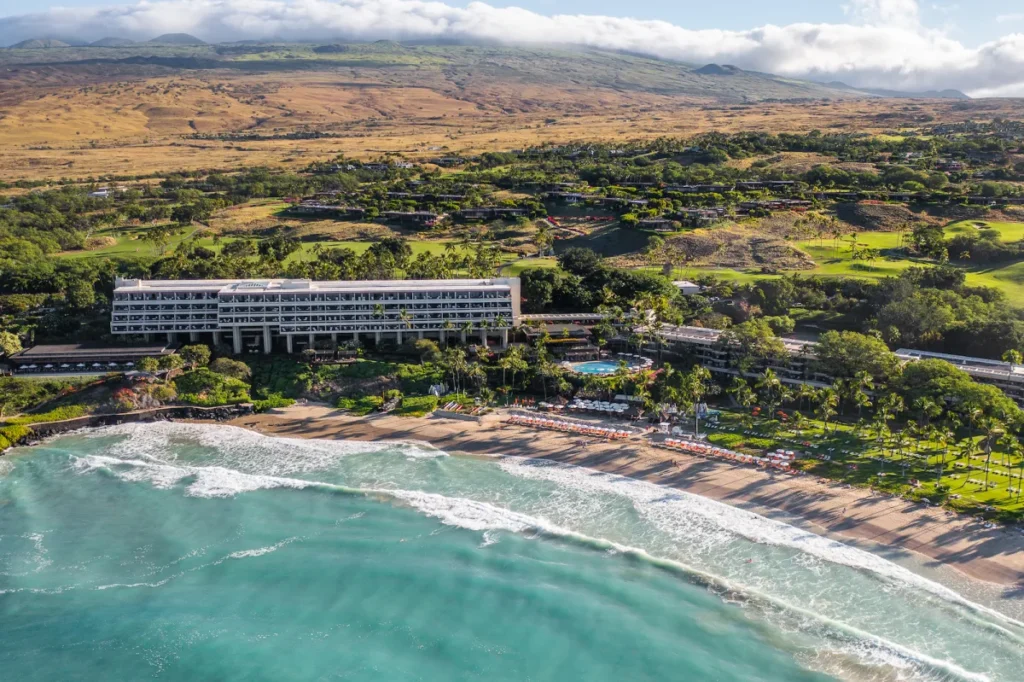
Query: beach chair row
column 569, row 427
column 781, row 460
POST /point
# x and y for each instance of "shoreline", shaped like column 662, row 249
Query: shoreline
column 994, row 556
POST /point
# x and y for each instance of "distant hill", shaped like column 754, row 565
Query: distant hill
column 926, row 94
column 716, row 70
column 112, row 42
column 902, row 94
column 39, row 43
column 489, row 75
column 176, row 39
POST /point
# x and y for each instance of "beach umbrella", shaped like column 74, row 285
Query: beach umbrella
column 64, row 366
column 81, row 364
column 48, row 367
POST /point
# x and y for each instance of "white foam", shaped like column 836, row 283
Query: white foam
column 675, row 513
column 212, row 481
column 241, row 449
column 695, row 519
column 470, row 514
column 260, row 551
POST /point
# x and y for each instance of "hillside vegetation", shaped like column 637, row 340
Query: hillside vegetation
column 152, row 107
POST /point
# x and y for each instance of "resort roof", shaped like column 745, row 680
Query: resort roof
column 82, row 351
column 243, row 285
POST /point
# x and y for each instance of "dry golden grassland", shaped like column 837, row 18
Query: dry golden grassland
column 81, row 123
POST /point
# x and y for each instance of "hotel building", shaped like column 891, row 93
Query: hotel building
column 255, row 313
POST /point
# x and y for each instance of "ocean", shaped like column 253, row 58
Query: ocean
column 207, row 552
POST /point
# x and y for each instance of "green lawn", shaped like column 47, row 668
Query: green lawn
column 515, row 268
column 837, row 261
column 1008, row 232
column 130, row 243
column 855, row 456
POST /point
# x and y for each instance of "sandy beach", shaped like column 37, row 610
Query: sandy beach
column 994, row 555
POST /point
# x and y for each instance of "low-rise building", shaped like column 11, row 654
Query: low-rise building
column 84, row 358
column 424, row 218
column 1006, row 376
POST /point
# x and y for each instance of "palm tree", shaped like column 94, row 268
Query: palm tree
column 476, row 373
column 446, row 327
column 466, row 327
column 804, row 393
column 378, row 310
column 1013, row 448
column 483, row 326
column 455, row 362
column 828, row 401
column 770, row 387
column 993, row 429
column 741, row 393
column 406, row 318
column 691, row 391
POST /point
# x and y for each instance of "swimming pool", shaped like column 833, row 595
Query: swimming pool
column 596, row 367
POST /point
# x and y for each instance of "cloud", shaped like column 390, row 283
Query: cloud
column 885, row 44
column 1010, row 18
column 884, row 12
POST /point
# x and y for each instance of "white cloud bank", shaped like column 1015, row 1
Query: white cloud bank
column 884, row 45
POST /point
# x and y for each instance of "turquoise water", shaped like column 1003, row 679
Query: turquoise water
column 596, row 367
column 188, row 552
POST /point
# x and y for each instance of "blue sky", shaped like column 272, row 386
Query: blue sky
column 972, row 22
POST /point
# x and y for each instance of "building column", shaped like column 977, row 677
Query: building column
column 376, row 337
column 149, row 337
column 399, row 333
column 462, row 335
column 193, row 337
column 355, row 338
column 419, row 334
column 267, row 341
column 483, row 339
column 172, row 337
column 237, row 339
column 312, row 341
column 334, row 339
column 291, row 346
column 504, row 338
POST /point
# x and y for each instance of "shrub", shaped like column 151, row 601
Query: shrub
column 12, row 435
column 417, row 406
column 272, row 401
column 231, row 368
column 361, row 406
column 283, row 375
column 54, row 415
column 208, row 389
column 18, row 394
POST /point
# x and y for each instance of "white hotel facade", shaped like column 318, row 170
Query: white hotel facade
column 255, row 313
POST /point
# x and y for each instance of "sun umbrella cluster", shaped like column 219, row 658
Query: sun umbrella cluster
column 569, row 427
column 780, row 459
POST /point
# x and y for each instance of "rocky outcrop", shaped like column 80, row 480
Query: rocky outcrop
column 49, row 429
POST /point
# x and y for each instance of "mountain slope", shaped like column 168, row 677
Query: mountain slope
column 112, row 42
column 176, row 39
column 39, row 43
column 478, row 72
